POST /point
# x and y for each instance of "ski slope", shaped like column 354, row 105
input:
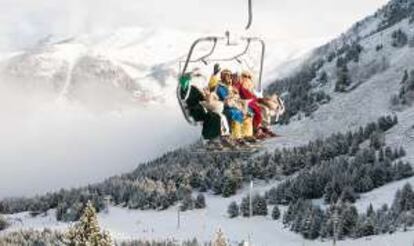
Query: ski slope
column 124, row 224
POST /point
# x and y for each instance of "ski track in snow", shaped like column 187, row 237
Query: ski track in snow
column 68, row 80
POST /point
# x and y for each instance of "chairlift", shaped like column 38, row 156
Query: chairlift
column 207, row 58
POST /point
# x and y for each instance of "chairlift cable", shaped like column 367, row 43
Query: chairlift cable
column 250, row 13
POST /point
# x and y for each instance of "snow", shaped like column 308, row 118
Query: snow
column 365, row 104
column 381, row 196
column 125, row 224
column 369, row 101
column 25, row 220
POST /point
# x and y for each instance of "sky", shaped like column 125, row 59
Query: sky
column 24, row 22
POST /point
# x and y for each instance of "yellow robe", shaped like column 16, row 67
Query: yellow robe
column 247, row 127
column 236, row 130
column 213, row 82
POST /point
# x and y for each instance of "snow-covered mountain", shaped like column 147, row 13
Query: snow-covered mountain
column 131, row 64
column 136, row 64
column 376, row 67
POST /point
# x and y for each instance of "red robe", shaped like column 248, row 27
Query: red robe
column 253, row 104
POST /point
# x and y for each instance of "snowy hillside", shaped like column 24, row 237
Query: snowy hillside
column 125, row 224
column 375, row 78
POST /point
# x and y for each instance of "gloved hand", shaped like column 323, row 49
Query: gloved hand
column 217, row 69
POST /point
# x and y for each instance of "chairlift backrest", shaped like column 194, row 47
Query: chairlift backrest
column 205, row 58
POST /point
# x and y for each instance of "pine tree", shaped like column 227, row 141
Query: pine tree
column 366, row 184
column 399, row 38
column 401, row 152
column 349, row 219
column 200, row 201
column 381, row 156
column 233, row 210
column 354, row 147
column 395, row 120
column 187, row 203
column 367, row 228
column 348, row 195
column 377, row 140
column 275, row 213
column 289, row 215
column 323, row 78
column 259, row 205
column 245, row 207
column 402, row 170
column 396, row 205
column 407, row 198
column 388, row 153
column 405, row 77
column 220, row 239
column 87, row 232
column 332, row 192
column 3, row 223
column 384, row 223
column 370, row 211
column 343, row 80
column 312, row 223
column 229, row 186
column 410, row 83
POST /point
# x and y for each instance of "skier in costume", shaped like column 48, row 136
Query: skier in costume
column 247, row 126
column 205, row 107
column 245, row 88
column 213, row 104
column 232, row 106
column 193, row 98
column 271, row 106
column 214, row 79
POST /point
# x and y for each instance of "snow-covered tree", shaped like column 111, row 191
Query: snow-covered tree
column 312, row 223
column 259, row 205
column 343, row 79
column 200, row 201
column 233, row 210
column 245, row 207
column 348, row 221
column 87, row 232
column 399, row 38
column 220, row 239
column 229, row 185
column 275, row 212
column 348, row 195
column 3, row 223
column 187, row 203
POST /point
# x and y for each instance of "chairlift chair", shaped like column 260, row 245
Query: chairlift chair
column 206, row 59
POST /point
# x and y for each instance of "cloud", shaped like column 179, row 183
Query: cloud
column 47, row 145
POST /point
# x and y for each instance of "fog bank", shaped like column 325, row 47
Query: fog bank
column 48, row 144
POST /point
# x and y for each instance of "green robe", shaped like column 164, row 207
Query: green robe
column 211, row 121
